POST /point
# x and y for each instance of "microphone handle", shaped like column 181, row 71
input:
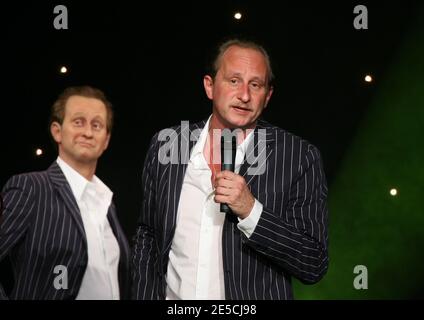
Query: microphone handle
column 225, row 207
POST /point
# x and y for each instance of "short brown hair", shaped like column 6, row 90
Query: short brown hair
column 58, row 108
column 242, row 44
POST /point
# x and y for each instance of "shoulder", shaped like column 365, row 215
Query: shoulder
column 289, row 142
column 27, row 181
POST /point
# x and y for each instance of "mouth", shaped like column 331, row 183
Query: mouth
column 241, row 110
column 85, row 144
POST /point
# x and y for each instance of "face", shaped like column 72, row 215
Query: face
column 240, row 91
column 82, row 137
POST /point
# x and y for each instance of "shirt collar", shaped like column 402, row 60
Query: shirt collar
column 199, row 146
column 243, row 146
column 79, row 184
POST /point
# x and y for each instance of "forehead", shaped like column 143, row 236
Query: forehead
column 242, row 59
column 86, row 106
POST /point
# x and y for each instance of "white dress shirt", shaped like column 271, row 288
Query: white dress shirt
column 195, row 268
column 100, row 281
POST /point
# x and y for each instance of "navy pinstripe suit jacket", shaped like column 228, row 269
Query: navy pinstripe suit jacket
column 290, row 238
column 41, row 228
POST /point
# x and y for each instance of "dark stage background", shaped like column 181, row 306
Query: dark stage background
column 150, row 58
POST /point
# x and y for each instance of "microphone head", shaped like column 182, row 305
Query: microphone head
column 228, row 148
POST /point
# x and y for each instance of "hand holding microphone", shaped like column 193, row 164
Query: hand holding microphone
column 231, row 189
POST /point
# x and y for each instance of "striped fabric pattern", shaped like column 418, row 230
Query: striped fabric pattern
column 42, row 228
column 290, row 238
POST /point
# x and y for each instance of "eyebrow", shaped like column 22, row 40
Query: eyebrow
column 255, row 78
column 98, row 118
column 80, row 114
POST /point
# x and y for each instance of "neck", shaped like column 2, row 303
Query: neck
column 87, row 173
column 87, row 170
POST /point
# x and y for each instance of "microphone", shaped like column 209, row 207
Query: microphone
column 228, row 158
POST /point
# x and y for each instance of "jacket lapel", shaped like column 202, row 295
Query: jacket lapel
column 123, row 270
column 64, row 190
column 260, row 149
column 116, row 228
column 187, row 138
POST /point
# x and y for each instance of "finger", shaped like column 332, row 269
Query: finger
column 226, row 174
column 221, row 199
column 222, row 191
column 222, row 182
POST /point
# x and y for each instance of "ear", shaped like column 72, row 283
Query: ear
column 208, row 84
column 56, row 132
column 268, row 95
column 107, row 141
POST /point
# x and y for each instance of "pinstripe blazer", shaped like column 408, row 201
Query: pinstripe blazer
column 42, row 228
column 290, row 238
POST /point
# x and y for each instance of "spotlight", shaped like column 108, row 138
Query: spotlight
column 393, row 192
column 368, row 78
column 237, row 15
column 38, row 152
column 63, row 69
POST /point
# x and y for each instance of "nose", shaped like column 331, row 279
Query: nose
column 244, row 93
column 88, row 131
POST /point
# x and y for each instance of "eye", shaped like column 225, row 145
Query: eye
column 256, row 85
column 234, row 81
column 97, row 126
column 78, row 122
